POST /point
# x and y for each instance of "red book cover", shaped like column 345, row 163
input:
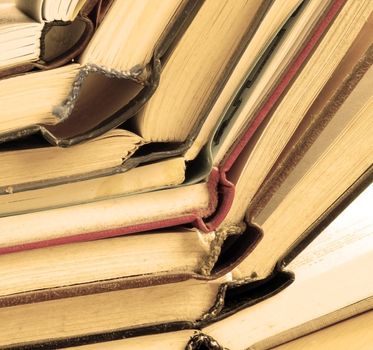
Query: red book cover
column 221, row 189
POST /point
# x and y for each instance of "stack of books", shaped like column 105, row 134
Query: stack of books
column 165, row 166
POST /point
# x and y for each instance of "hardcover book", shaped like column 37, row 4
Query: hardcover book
column 159, row 181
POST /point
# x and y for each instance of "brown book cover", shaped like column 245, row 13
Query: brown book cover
column 75, row 128
column 218, row 183
column 232, row 297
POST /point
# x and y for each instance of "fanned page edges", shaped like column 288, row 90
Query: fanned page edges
column 60, row 134
column 230, row 299
column 145, row 154
column 252, row 237
column 66, row 132
column 153, row 72
column 315, row 126
column 148, row 76
column 227, row 187
column 120, row 284
column 278, row 277
column 34, row 185
column 193, row 217
column 232, row 296
column 40, row 296
column 180, row 148
column 221, row 189
column 85, row 18
column 266, row 108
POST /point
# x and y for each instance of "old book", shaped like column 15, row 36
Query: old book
column 103, row 65
column 241, row 266
column 43, row 34
column 261, row 39
column 165, row 213
column 99, row 307
column 339, row 155
column 125, row 86
column 336, row 262
column 181, row 250
column 276, row 132
column 46, row 163
column 94, row 80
